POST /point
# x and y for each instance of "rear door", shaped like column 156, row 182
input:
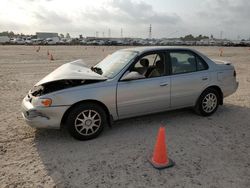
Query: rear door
column 189, row 77
column 143, row 96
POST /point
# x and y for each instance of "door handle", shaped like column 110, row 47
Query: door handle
column 204, row 78
column 164, row 84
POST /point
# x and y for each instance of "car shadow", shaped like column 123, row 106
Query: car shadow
column 118, row 157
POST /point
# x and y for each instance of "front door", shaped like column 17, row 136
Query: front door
column 146, row 95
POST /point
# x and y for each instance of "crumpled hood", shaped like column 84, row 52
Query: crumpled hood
column 73, row 70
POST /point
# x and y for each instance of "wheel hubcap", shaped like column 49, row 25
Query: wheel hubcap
column 88, row 122
column 209, row 102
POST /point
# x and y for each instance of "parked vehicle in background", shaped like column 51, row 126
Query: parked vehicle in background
column 28, row 41
column 37, row 41
column 130, row 82
column 52, row 41
column 83, row 42
column 17, row 41
column 62, row 41
column 4, row 39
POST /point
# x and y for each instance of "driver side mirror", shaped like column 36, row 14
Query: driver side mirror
column 132, row 76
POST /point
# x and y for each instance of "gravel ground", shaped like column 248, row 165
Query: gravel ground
column 208, row 151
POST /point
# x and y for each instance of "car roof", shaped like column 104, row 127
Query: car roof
column 155, row 48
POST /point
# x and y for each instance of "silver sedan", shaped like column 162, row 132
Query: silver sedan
column 130, row 82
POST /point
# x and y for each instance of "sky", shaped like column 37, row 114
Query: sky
column 169, row 18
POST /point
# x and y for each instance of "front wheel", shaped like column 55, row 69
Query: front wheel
column 207, row 103
column 86, row 121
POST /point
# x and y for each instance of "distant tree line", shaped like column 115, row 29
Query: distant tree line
column 7, row 33
column 192, row 38
column 189, row 37
column 185, row 38
column 11, row 34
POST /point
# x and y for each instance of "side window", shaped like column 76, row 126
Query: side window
column 151, row 65
column 185, row 62
column 149, row 59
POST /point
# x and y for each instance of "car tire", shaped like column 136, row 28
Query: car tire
column 207, row 103
column 86, row 121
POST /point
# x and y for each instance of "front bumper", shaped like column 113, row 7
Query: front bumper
column 42, row 117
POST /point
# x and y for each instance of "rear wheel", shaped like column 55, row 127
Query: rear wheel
column 86, row 121
column 208, row 102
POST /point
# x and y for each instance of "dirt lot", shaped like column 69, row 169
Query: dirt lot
column 209, row 152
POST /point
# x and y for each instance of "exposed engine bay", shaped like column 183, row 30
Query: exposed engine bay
column 58, row 85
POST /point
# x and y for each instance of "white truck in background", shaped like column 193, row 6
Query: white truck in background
column 51, row 41
column 4, row 39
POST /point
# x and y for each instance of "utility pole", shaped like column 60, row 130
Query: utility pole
column 109, row 33
column 221, row 35
column 150, row 32
column 121, row 33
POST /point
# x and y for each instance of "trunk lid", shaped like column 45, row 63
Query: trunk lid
column 223, row 65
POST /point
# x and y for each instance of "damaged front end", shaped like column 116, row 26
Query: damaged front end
column 57, row 85
column 40, row 109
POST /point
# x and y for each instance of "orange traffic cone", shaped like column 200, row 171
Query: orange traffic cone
column 221, row 51
column 47, row 52
column 51, row 57
column 38, row 49
column 160, row 158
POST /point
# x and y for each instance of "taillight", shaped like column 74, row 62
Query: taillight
column 234, row 73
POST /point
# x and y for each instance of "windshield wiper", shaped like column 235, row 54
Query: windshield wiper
column 98, row 70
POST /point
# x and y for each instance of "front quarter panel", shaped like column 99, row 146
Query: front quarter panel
column 104, row 92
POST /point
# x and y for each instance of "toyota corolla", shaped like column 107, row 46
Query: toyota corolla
column 130, row 82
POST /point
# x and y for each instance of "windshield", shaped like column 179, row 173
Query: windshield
column 114, row 63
